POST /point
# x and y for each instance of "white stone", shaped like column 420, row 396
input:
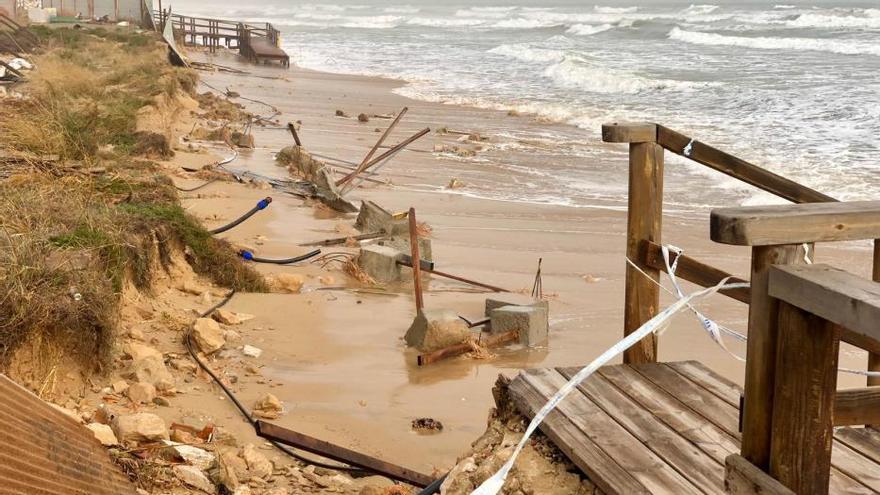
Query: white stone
column 103, row 433
column 251, row 351
column 194, row 477
column 197, row 457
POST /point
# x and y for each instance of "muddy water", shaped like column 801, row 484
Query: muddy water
column 346, row 376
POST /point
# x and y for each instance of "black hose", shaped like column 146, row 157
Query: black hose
column 250, row 257
column 434, row 487
column 260, row 206
column 197, row 187
column 187, row 340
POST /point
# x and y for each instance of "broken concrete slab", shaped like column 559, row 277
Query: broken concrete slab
column 434, row 329
column 301, row 163
column 532, row 323
column 512, row 299
column 380, row 262
column 402, row 244
column 374, row 218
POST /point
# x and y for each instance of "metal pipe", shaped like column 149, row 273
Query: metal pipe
column 416, row 267
column 292, row 129
column 342, row 240
column 455, row 277
column 375, row 147
column 403, row 144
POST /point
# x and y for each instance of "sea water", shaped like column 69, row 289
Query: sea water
column 794, row 87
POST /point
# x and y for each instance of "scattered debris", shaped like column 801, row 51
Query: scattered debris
column 424, row 425
column 268, row 407
column 363, row 118
column 251, row 351
column 340, row 113
column 455, row 183
column 435, row 329
column 229, row 318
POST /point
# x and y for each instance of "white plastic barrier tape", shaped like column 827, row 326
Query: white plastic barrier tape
column 656, row 325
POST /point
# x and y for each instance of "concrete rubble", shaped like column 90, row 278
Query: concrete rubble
column 435, row 329
column 301, row 163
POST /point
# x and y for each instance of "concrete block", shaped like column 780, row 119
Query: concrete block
column 435, row 329
column 300, row 162
column 501, row 300
column 532, row 323
column 401, row 243
column 380, row 262
column 374, row 218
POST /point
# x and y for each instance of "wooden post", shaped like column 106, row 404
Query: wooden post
column 645, row 212
column 873, row 358
column 416, row 268
column 761, row 353
column 803, row 403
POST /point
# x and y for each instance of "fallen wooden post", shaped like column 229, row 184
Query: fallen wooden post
column 341, row 454
column 292, row 129
column 388, row 154
column 406, row 260
column 465, row 347
column 416, row 267
column 408, row 263
column 342, row 240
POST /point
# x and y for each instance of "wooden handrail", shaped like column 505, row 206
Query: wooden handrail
column 796, row 224
column 832, row 294
column 693, row 271
column 857, row 406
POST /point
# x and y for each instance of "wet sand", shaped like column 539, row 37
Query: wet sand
column 338, row 356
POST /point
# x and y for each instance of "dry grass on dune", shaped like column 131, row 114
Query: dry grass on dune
column 85, row 218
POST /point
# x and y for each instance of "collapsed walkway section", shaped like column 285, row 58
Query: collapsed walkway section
column 42, row 450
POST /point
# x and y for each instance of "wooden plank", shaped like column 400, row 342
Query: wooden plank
column 635, row 132
column 737, row 168
column 791, row 224
column 698, row 373
column 857, row 406
column 874, row 357
column 833, row 294
column 648, row 468
column 696, row 398
column 638, row 396
column 693, row 271
column 602, row 470
column 803, row 400
column 855, row 466
column 865, row 441
column 744, row 478
column 645, row 213
column 761, row 353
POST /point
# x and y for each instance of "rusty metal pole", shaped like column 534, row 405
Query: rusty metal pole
column 416, row 268
column 292, row 128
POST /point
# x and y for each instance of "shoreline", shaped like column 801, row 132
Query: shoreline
column 484, row 239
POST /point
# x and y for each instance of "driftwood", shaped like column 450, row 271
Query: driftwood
column 465, row 347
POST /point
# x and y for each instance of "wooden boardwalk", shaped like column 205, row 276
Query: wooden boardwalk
column 667, row 428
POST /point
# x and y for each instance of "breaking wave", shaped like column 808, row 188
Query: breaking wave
column 587, row 29
column 527, row 54
column 573, row 72
column 843, row 47
column 615, row 10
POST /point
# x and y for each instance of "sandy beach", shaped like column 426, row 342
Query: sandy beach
column 337, row 358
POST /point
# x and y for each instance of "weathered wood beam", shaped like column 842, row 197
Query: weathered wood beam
column 757, row 411
column 737, row 168
column 790, row 224
column 874, row 357
column 830, row 293
column 694, row 271
column 644, row 218
column 636, row 132
column 803, row 400
column 857, row 406
column 744, row 478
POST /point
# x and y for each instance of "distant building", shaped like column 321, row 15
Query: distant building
column 115, row 10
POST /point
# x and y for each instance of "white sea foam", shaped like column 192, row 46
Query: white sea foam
column 784, row 6
column 614, row 10
column 844, row 47
column 866, row 20
column 523, row 23
column 587, row 29
column 485, row 12
column 403, row 9
column 444, row 22
column 701, row 9
column 573, row 72
column 524, row 52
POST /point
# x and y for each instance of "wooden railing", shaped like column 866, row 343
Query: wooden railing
column 770, row 246
column 213, row 33
column 791, row 407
